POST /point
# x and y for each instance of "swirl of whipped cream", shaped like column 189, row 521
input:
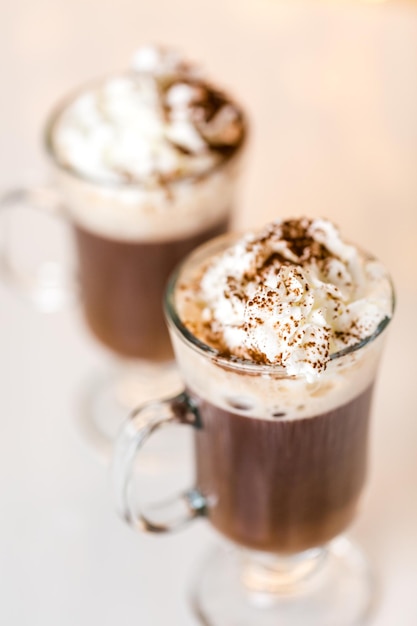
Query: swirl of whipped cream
column 159, row 122
column 291, row 295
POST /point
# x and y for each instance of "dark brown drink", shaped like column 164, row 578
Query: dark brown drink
column 122, row 285
column 281, row 375
column 147, row 163
column 285, row 485
column 278, row 336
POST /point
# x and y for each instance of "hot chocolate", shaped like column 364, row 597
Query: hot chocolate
column 122, row 295
column 277, row 336
column 286, row 326
column 147, row 165
column 282, row 485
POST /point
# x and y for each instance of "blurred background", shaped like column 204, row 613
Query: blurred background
column 331, row 91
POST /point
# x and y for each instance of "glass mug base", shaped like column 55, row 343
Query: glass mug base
column 325, row 587
column 108, row 396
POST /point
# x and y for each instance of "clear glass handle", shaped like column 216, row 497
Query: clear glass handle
column 50, row 285
column 168, row 515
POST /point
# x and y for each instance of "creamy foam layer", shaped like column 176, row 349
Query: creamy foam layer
column 276, row 308
column 268, row 395
column 135, row 214
column 150, row 153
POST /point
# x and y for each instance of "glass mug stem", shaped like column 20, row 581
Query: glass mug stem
column 175, row 512
column 274, row 574
column 49, row 285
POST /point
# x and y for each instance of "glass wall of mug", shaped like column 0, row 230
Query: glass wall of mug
column 280, row 466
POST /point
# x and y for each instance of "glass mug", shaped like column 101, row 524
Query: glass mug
column 280, row 491
column 121, row 275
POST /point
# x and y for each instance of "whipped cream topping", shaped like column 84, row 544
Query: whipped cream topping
column 291, row 295
column 159, row 122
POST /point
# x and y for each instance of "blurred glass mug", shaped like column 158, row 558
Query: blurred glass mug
column 280, row 490
column 128, row 237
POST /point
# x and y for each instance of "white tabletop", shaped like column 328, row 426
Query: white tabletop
column 332, row 92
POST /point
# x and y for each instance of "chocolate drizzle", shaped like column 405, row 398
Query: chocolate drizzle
column 216, row 118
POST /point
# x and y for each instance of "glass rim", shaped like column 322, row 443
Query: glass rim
column 228, row 362
column 67, row 99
